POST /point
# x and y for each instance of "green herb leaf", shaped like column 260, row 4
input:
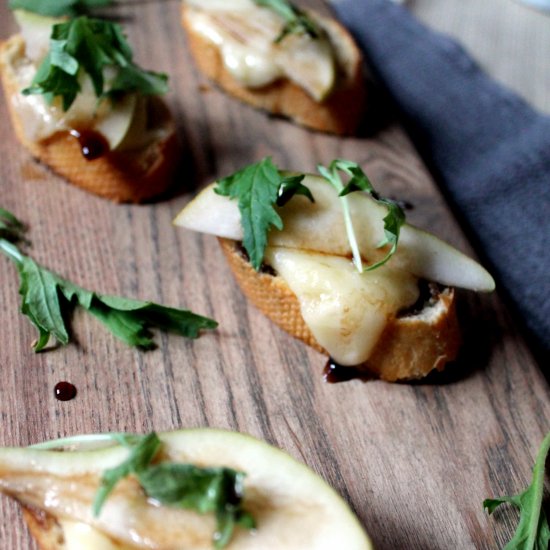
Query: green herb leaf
column 297, row 21
column 46, row 298
column 141, row 455
column 84, row 45
column 129, row 319
column 258, row 188
column 57, row 8
column 359, row 181
column 11, row 228
column 206, row 490
column 533, row 531
column 40, row 302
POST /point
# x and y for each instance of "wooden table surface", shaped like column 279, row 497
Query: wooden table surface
column 414, row 461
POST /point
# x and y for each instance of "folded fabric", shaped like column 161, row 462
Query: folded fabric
column 487, row 148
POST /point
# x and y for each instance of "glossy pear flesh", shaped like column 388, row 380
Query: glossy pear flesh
column 319, row 227
column 294, row 508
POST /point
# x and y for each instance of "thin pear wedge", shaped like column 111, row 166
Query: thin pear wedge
column 319, row 227
column 292, row 507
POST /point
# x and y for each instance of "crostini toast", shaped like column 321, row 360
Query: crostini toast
column 326, row 270
column 82, row 155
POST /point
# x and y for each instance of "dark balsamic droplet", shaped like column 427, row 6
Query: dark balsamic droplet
column 403, row 204
column 92, row 144
column 64, row 391
column 333, row 373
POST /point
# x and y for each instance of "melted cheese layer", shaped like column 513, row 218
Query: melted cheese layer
column 345, row 310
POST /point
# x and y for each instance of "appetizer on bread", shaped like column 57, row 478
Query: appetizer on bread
column 81, row 105
column 336, row 266
column 278, row 58
column 185, row 490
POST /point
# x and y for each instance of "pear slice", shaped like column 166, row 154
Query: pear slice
column 36, row 30
column 293, row 507
column 116, row 124
column 309, row 62
column 319, row 227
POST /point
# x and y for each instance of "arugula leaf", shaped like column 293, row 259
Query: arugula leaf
column 206, row 490
column 46, row 297
column 11, row 228
column 259, row 187
column 85, row 45
column 57, row 8
column 297, row 21
column 533, row 531
column 141, row 454
column 360, row 182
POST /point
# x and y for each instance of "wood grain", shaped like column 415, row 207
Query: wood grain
column 414, row 461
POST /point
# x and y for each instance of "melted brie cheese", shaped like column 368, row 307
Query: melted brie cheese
column 253, row 68
column 245, row 35
column 346, row 311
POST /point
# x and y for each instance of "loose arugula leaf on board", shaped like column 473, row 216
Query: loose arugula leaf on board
column 359, row 181
column 46, row 298
column 205, row 490
column 129, row 320
column 11, row 228
column 258, row 188
column 297, row 21
column 85, row 45
column 57, row 8
column 40, row 302
column 533, row 531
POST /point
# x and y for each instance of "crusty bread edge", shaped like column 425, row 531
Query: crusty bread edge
column 134, row 176
column 341, row 113
column 409, row 348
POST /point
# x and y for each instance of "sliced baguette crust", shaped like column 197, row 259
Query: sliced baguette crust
column 132, row 176
column 409, row 348
column 341, row 113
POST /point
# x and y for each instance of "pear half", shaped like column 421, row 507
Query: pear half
column 294, row 508
column 319, row 227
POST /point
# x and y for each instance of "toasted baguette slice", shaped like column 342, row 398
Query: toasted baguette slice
column 341, row 113
column 129, row 176
column 410, row 347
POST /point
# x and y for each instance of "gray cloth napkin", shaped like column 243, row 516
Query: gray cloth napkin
column 486, row 147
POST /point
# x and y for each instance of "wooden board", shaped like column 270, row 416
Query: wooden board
column 414, row 461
